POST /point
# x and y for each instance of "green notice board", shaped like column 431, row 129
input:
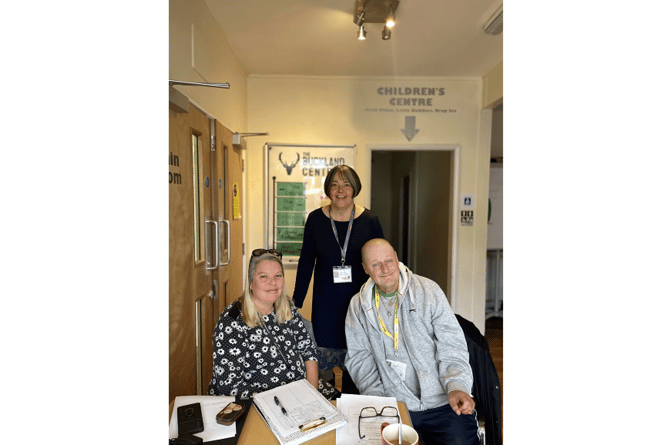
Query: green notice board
column 290, row 249
column 290, row 189
column 288, row 204
column 290, row 217
column 289, row 234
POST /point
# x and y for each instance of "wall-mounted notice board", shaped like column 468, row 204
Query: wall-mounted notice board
column 294, row 187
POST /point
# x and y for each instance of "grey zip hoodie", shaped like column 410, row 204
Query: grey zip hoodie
column 434, row 340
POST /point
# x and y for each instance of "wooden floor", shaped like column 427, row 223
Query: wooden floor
column 495, row 337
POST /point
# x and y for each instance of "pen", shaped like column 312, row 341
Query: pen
column 283, row 410
column 312, row 424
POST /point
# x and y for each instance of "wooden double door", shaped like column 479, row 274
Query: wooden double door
column 205, row 242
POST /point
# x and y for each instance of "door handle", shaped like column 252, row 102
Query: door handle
column 215, row 223
column 228, row 243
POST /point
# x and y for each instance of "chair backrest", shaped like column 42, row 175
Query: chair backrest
column 310, row 328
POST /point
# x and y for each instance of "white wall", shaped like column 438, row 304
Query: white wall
column 337, row 110
column 210, row 60
column 493, row 87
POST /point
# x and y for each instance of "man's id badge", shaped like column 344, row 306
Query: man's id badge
column 342, row 274
column 399, row 367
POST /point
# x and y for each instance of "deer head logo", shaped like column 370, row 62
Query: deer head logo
column 289, row 168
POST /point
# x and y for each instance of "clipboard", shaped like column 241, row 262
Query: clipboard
column 297, row 412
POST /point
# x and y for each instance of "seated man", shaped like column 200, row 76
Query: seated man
column 405, row 342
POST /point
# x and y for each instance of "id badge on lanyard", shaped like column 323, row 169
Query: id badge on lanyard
column 343, row 273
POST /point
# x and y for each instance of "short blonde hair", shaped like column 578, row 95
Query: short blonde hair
column 282, row 306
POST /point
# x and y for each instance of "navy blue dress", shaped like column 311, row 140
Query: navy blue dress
column 320, row 249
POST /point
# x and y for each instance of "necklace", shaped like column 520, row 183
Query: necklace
column 390, row 300
column 391, row 304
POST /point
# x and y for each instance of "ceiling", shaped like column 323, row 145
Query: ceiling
column 318, row 38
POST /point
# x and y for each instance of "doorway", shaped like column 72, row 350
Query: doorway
column 413, row 192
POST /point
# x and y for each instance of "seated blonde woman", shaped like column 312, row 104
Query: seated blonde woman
column 260, row 340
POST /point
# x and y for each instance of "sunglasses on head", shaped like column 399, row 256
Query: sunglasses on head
column 274, row 252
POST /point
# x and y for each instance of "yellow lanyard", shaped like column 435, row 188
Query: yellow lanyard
column 396, row 330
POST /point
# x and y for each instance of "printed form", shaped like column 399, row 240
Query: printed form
column 370, row 428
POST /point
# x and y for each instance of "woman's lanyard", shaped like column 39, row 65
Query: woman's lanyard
column 343, row 274
column 396, row 327
column 348, row 234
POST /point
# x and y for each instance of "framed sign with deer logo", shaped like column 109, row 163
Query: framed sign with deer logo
column 294, row 187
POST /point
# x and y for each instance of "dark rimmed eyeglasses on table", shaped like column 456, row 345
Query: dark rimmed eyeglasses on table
column 370, row 411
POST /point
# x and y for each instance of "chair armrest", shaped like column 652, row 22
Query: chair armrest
column 338, row 373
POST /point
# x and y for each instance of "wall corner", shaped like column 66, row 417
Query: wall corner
column 493, row 87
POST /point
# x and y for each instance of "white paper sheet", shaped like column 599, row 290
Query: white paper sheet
column 211, row 405
column 350, row 405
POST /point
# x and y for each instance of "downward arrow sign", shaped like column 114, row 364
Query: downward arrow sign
column 409, row 129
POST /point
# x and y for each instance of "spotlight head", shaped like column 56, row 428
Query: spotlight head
column 362, row 34
column 390, row 20
column 385, row 34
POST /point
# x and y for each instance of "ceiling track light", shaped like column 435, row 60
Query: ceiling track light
column 362, row 34
column 375, row 11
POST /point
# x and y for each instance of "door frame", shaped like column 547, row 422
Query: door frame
column 453, row 200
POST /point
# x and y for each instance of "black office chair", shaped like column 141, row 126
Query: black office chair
column 486, row 389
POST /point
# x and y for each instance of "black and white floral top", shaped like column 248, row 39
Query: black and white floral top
column 250, row 360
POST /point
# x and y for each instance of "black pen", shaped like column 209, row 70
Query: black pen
column 283, row 410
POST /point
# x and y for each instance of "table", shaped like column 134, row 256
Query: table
column 256, row 431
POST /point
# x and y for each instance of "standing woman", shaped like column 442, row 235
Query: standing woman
column 333, row 239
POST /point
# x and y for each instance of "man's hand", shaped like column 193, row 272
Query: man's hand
column 461, row 402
